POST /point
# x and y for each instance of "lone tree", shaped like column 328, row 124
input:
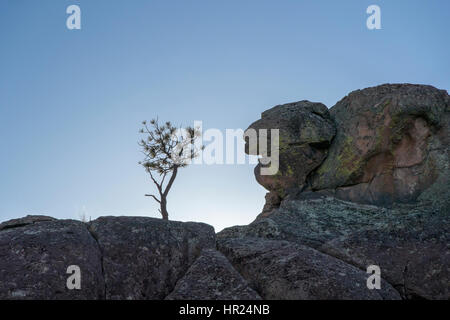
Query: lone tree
column 166, row 149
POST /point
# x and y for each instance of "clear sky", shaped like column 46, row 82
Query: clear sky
column 71, row 101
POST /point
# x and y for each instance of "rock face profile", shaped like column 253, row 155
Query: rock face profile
column 305, row 132
column 365, row 183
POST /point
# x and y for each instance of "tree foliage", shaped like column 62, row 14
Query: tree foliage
column 166, row 149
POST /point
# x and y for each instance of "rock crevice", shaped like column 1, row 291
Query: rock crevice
column 101, row 259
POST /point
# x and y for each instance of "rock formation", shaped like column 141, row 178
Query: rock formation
column 364, row 183
column 380, row 196
column 119, row 257
column 390, row 145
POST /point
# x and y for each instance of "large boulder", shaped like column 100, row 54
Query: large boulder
column 392, row 143
column 212, row 277
column 35, row 253
column 143, row 258
column 379, row 145
column 305, row 132
column 283, row 270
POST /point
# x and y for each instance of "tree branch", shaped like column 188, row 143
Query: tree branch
column 154, row 197
column 155, row 182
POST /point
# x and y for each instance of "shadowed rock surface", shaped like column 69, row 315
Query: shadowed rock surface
column 35, row 254
column 399, row 239
column 415, row 263
column 143, row 258
column 283, row 270
column 212, row 277
column 119, row 257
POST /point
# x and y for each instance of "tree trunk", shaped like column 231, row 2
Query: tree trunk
column 164, row 213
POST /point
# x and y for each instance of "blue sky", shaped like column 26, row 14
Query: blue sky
column 71, row 101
